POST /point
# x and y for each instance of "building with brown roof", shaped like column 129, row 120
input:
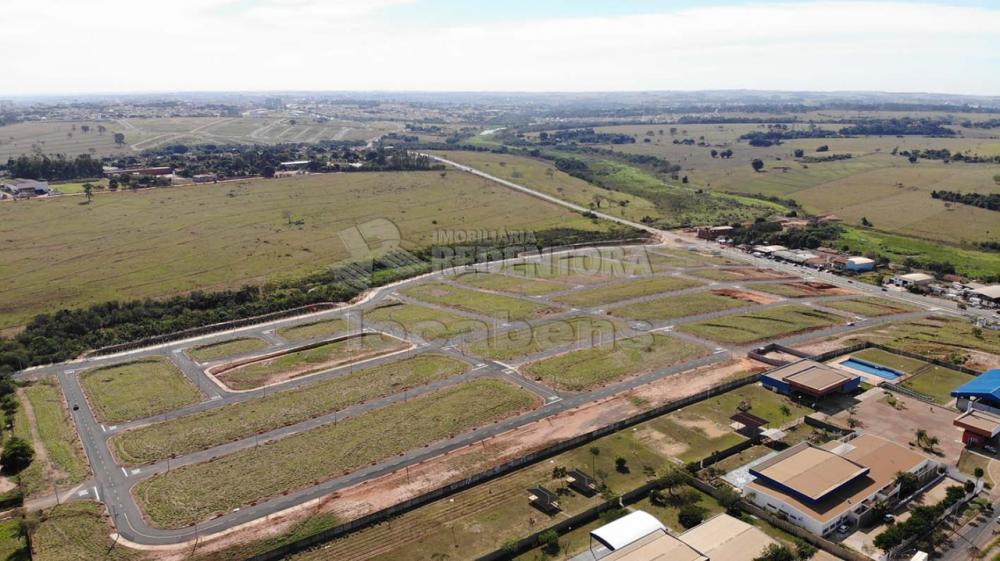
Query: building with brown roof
column 810, row 378
column 980, row 428
column 823, row 487
column 721, row 538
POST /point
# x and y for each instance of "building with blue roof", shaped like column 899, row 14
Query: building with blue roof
column 982, row 392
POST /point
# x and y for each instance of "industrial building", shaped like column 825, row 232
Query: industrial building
column 25, row 188
column 982, row 393
column 979, row 428
column 824, row 487
column 809, row 378
column 912, row 279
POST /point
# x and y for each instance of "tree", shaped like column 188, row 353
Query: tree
column 267, row 171
column 119, row 138
column 88, row 191
column 9, row 405
column 805, row 550
column 714, row 153
column 865, row 222
column 113, row 184
column 728, row 498
column 799, row 152
column 17, row 455
column 691, row 515
column 757, row 164
column 775, row 552
column 549, row 540
column 979, row 473
column 672, row 479
column 621, row 465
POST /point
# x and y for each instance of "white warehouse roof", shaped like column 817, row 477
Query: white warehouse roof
column 992, row 292
column 860, row 261
column 917, row 277
column 627, row 529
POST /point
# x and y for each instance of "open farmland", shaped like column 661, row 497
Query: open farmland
column 295, row 364
column 613, row 360
column 611, row 293
column 181, row 496
column 473, row 301
column 165, row 241
column 241, row 420
column 583, row 330
column 763, row 324
column 137, row 389
column 670, row 307
column 225, row 349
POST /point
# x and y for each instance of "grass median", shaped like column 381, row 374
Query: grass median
column 296, row 364
column 223, row 349
column 763, row 324
column 483, row 303
column 137, row 390
column 241, row 420
column 198, row 491
column 587, row 368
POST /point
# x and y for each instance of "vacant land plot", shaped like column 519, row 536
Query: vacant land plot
column 582, row 330
column 678, row 306
column 587, row 368
column 765, row 324
column 870, row 306
column 137, row 389
column 313, row 330
column 75, row 531
column 310, row 360
column 592, row 267
column 215, row 351
column 800, row 289
column 625, row 291
column 182, row 496
column 35, row 478
column 483, row 303
column 13, row 546
column 940, row 337
column 504, row 283
column 56, row 431
column 426, row 323
column 241, row 420
column 242, row 232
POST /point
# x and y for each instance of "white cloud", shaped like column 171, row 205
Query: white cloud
column 62, row 46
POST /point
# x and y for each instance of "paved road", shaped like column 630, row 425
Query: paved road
column 113, row 483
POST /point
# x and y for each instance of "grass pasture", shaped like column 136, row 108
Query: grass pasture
column 181, row 496
column 241, row 420
column 298, row 363
column 671, row 307
column 764, row 324
column 424, row 322
column 136, row 390
column 473, row 301
column 587, row 368
column 871, row 307
column 313, row 330
column 223, row 349
column 611, row 293
column 583, row 330
column 241, row 231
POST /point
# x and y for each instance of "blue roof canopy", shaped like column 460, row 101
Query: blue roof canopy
column 984, row 386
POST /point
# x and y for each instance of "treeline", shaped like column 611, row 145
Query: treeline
column 821, row 159
column 947, row 156
column 763, row 232
column 988, row 124
column 922, row 520
column 54, row 168
column 898, row 127
column 776, row 135
column 67, row 333
column 989, row 201
column 583, row 136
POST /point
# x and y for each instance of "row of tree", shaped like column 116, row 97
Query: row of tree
column 54, row 168
column 989, row 201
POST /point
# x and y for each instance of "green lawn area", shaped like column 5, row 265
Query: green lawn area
column 223, row 349
column 968, row 461
column 897, row 362
column 544, row 336
column 136, row 390
column 871, row 307
column 426, row 323
column 506, row 283
column 57, row 432
column 13, row 546
column 296, row 364
column 940, row 337
column 313, row 330
column 929, row 379
column 182, row 496
column 474, row 301
column 764, row 324
column 241, row 420
column 625, row 290
column 77, row 531
column 678, row 306
column 587, row 368
column 241, row 231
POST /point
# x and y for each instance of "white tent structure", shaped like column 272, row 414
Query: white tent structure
column 627, row 529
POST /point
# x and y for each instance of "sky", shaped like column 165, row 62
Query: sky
column 75, row 46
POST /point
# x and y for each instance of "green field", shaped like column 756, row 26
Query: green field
column 940, row 337
column 871, row 307
column 137, row 245
column 182, row 496
column 764, row 324
column 13, row 546
column 33, row 478
column 426, row 323
column 611, row 293
column 487, row 304
column 313, row 330
column 678, row 306
column 721, row 275
column 296, row 364
column 784, row 290
column 544, row 336
column 504, row 283
column 967, row 261
column 241, row 420
column 57, row 433
column 924, row 377
column 587, row 368
column 233, row 347
column 136, row 390
column 77, row 531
